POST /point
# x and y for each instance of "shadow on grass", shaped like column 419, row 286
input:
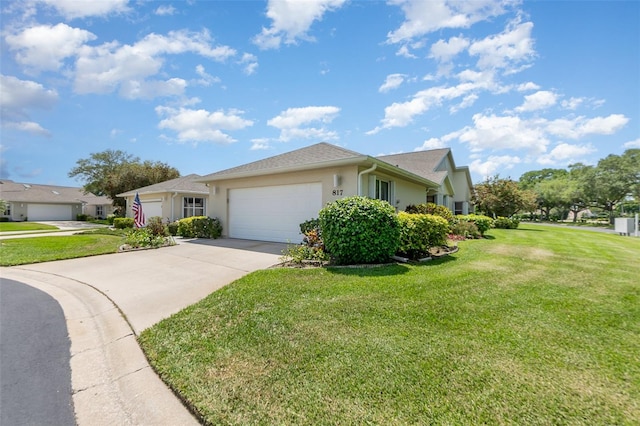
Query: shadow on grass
column 369, row 270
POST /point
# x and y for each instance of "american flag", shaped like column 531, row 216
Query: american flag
column 138, row 214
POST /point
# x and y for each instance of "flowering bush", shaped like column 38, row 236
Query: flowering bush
column 420, row 232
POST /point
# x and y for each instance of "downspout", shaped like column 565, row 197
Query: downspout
column 173, row 217
column 364, row 172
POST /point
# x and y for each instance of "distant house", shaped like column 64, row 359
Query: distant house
column 173, row 199
column 35, row 202
column 268, row 199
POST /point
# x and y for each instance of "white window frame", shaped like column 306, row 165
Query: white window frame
column 189, row 207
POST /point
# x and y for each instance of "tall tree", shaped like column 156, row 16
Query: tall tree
column 615, row 178
column 114, row 172
column 502, row 197
column 529, row 180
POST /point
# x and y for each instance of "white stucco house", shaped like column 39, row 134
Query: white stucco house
column 36, row 202
column 268, row 199
column 173, row 199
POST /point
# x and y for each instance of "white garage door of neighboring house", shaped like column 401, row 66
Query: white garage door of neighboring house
column 273, row 213
column 152, row 208
column 36, row 212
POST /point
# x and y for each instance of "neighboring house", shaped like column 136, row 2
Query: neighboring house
column 35, row 202
column 173, row 199
column 437, row 165
column 268, row 199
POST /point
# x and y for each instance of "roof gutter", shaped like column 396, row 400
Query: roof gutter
column 362, row 173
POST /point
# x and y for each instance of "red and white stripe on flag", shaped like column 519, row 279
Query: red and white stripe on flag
column 138, row 214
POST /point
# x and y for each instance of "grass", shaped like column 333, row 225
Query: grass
column 25, row 226
column 538, row 325
column 20, row 251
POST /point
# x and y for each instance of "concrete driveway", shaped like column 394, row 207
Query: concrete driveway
column 108, row 300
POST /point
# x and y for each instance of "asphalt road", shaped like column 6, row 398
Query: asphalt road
column 35, row 376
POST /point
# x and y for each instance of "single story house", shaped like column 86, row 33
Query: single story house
column 35, row 202
column 173, row 199
column 268, row 199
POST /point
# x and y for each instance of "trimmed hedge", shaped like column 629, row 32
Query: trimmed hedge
column 431, row 208
column 420, row 232
column 484, row 223
column 506, row 223
column 123, row 222
column 359, row 230
column 199, row 227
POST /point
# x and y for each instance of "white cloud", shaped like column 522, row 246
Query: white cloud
column 490, row 166
column 572, row 103
column 578, row 127
column 201, row 125
column 633, row 144
column 423, row 17
column 525, row 87
column 432, row 143
column 291, row 20
column 71, row 9
column 27, row 127
column 260, row 144
column 250, row 63
column 404, row 51
column 542, row 99
column 401, row 114
column 165, row 10
column 393, row 81
column 505, row 50
column 18, row 98
column 565, row 153
column 205, row 79
column 293, row 123
column 44, row 47
column 446, row 50
column 467, row 101
column 110, row 66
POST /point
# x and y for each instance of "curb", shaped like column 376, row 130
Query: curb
column 112, row 381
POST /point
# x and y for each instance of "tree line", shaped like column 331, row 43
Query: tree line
column 613, row 181
column 113, row 172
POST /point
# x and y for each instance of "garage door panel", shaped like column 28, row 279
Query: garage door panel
column 36, row 212
column 152, row 208
column 273, row 213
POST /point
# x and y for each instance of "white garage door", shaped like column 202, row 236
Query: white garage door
column 152, row 208
column 273, row 213
column 36, row 212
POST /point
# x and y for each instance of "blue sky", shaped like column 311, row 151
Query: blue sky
column 509, row 86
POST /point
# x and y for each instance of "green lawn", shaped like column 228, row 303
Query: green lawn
column 538, row 325
column 25, row 226
column 20, row 251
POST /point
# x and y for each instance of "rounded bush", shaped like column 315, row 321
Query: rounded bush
column 484, row 223
column 506, row 223
column 199, row 227
column 431, row 208
column 123, row 222
column 359, row 230
column 420, row 232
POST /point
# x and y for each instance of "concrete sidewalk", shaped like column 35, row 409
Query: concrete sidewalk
column 108, row 300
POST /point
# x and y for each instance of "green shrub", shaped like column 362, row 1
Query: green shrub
column 484, row 223
column 359, row 230
column 4, row 219
column 111, row 218
column 172, row 228
column 82, row 217
column 310, row 225
column 123, row 222
column 199, row 227
column 156, row 227
column 420, row 232
column 431, row 208
column 506, row 223
column 143, row 237
column 465, row 229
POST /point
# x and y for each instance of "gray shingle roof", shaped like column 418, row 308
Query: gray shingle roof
column 189, row 183
column 313, row 156
column 421, row 163
column 48, row 194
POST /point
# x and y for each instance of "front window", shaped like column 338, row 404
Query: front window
column 7, row 210
column 459, row 207
column 193, row 207
column 382, row 190
column 100, row 211
column 431, row 199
